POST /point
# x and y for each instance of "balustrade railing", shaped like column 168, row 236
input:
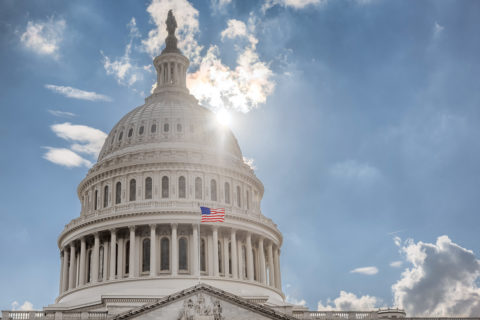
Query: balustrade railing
column 41, row 315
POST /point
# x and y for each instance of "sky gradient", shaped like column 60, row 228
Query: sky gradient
column 361, row 117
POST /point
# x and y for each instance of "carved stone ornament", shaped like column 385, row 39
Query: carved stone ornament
column 199, row 307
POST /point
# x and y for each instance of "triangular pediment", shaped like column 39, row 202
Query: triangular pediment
column 202, row 302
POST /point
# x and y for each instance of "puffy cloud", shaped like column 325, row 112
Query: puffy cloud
column 87, row 140
column 26, row 306
column 351, row 169
column 349, row 301
column 396, row 264
column 65, row 157
column 188, row 27
column 249, row 162
column 365, row 270
column 235, row 28
column 62, row 114
column 44, row 37
column 441, row 282
column 74, row 93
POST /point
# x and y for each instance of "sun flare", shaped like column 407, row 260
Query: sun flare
column 224, row 117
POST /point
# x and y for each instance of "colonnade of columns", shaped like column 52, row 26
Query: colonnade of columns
column 176, row 250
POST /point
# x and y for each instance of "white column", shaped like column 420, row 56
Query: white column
column 113, row 249
column 131, row 261
column 121, row 258
column 241, row 272
column 174, row 250
column 83, row 250
column 225, row 256
column 95, row 254
column 62, row 270
column 153, row 250
column 215, row 251
column 233, row 243
column 195, row 248
column 270, row 265
column 276, row 260
column 261, row 253
column 249, row 257
column 71, row 271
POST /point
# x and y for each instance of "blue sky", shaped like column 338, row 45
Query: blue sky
column 362, row 118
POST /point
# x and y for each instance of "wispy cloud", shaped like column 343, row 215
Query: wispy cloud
column 77, row 93
column 348, row 301
column 61, row 114
column 44, row 37
column 65, row 157
column 365, row 270
column 437, row 29
column 352, row 169
column 396, row 264
column 296, row 4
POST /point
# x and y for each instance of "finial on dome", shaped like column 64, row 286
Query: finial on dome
column 171, row 40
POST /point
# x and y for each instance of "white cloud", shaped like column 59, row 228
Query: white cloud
column 26, row 306
column 441, row 282
column 62, row 114
column 349, row 301
column 65, row 157
column 235, row 28
column 365, row 270
column 437, row 29
column 122, row 68
column 396, row 264
column 351, row 169
column 219, row 4
column 296, row 4
column 44, row 37
column 187, row 20
column 250, row 162
column 87, row 140
column 77, row 93
column 397, row 240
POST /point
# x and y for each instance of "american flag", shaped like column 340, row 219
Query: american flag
column 213, row 215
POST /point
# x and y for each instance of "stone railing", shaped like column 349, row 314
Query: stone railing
column 42, row 315
column 327, row 315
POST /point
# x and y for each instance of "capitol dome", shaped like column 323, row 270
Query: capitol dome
column 139, row 236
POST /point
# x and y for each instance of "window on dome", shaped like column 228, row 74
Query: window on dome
column 105, row 197
column 101, row 268
column 96, row 200
column 148, row 188
column 140, row 131
column 182, row 192
column 244, row 262
column 133, row 189
column 89, row 266
column 116, row 259
column 165, row 187
column 198, row 188
column 248, row 200
column 183, row 254
column 203, row 265
column 227, row 192
column 166, row 127
column 220, row 257
column 130, row 132
column 165, row 254
column 254, row 264
column 118, row 192
column 179, row 127
column 153, row 128
column 230, row 258
column 213, row 190
column 120, row 136
column 146, row 255
column 127, row 256
column 239, row 197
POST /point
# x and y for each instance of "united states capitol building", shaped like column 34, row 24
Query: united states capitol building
column 137, row 250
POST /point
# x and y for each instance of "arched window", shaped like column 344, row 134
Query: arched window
column 133, row 189
column 118, row 192
column 148, row 188
column 146, row 255
column 130, row 132
column 89, row 266
column 198, row 188
column 179, row 127
column 101, row 268
column 220, row 257
column 165, row 254
column 105, row 197
column 239, row 197
column 140, row 131
column 213, row 190
column 230, row 258
column 203, row 264
column 182, row 187
column 248, row 200
column 153, row 129
column 183, row 254
column 127, row 256
column 120, row 136
column 166, row 127
column 96, row 200
column 164, row 187
column 227, row 192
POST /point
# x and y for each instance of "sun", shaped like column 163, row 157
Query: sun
column 224, row 117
